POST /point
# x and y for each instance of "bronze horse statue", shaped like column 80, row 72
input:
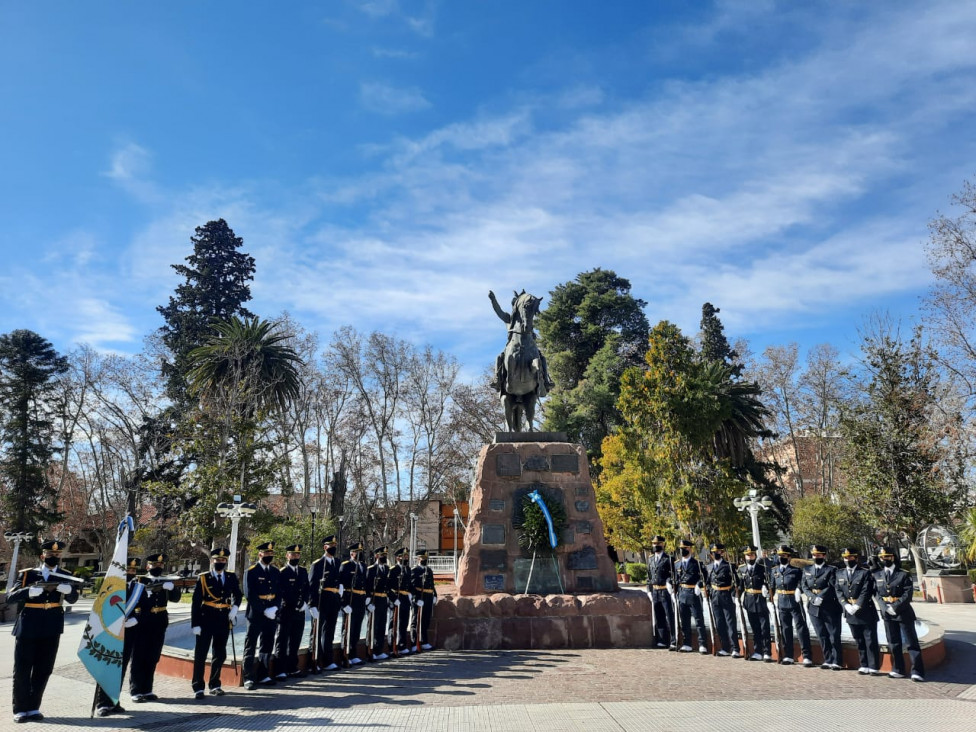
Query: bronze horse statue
column 521, row 372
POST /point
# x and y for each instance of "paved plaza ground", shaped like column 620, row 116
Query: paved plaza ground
column 592, row 690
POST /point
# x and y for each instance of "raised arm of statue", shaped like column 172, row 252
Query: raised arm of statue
column 506, row 318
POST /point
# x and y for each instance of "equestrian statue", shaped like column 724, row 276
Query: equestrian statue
column 521, row 373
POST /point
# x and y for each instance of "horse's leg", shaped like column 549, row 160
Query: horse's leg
column 508, row 401
column 528, row 402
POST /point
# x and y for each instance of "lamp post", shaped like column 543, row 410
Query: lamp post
column 16, row 537
column 753, row 503
column 457, row 517
column 235, row 512
column 314, row 510
column 340, row 519
column 413, row 536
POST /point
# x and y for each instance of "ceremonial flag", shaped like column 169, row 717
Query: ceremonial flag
column 101, row 644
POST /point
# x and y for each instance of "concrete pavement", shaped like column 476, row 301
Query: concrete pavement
column 599, row 689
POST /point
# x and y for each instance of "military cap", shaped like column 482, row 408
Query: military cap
column 219, row 553
column 885, row 552
column 421, row 553
column 132, row 563
column 658, row 540
column 329, row 540
column 818, row 549
column 785, row 550
column 685, row 544
column 750, row 549
column 156, row 558
column 380, row 551
column 717, row 547
column 293, row 548
column 267, row 546
column 849, row 552
column 52, row 545
column 356, row 547
column 401, row 552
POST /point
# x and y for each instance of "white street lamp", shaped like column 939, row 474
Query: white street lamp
column 457, row 517
column 16, row 537
column 413, row 537
column 753, row 503
column 235, row 512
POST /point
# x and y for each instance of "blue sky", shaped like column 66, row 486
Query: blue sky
column 388, row 162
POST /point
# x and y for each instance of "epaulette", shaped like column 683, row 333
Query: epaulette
column 203, row 574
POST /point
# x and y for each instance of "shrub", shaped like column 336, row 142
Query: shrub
column 637, row 571
column 972, row 576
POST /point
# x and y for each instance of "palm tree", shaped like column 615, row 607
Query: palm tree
column 245, row 365
column 743, row 415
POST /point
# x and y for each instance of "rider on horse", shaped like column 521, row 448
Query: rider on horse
column 520, row 322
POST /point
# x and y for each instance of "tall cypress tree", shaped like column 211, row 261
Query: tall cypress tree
column 714, row 345
column 215, row 287
column 29, row 369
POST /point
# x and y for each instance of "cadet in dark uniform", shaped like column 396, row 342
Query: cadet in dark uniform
column 425, row 598
column 401, row 598
column 855, row 592
column 895, row 589
column 293, row 585
column 352, row 579
column 38, row 628
column 377, row 594
column 753, row 589
column 721, row 580
column 690, row 579
column 104, row 706
column 825, row 612
column 261, row 582
column 150, row 633
column 658, row 579
column 325, row 598
column 216, row 599
column 785, row 581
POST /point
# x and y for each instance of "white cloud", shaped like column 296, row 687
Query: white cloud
column 386, row 99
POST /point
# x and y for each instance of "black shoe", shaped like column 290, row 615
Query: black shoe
column 249, row 685
column 198, row 694
column 267, row 681
column 216, row 691
column 36, row 717
column 149, row 697
column 100, row 712
column 117, row 709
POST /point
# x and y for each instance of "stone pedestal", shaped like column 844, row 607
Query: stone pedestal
column 493, row 561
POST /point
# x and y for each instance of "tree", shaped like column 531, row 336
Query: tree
column 820, row 520
column 215, row 288
column 713, row 345
column 591, row 332
column 29, row 372
column 903, row 463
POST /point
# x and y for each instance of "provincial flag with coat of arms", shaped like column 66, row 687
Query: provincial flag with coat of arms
column 103, row 640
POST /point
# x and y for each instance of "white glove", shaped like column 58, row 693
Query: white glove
column 410, row 597
column 796, row 593
column 196, row 630
column 765, row 591
column 64, row 588
column 420, row 603
column 851, row 608
column 890, row 610
column 303, row 607
column 650, row 595
column 131, row 622
column 270, row 612
column 169, row 586
column 370, row 608
column 817, row 601
column 315, row 613
column 233, row 614
column 347, row 609
column 435, row 599
column 669, row 586
column 396, row 603
column 148, row 593
column 698, row 590
column 35, row 592
column 341, row 590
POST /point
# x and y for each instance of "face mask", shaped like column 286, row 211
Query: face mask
column 156, row 571
column 784, row 560
column 330, row 551
column 818, row 560
column 716, row 555
column 852, row 563
column 658, row 548
column 889, row 562
column 423, row 562
column 685, row 552
column 382, row 560
column 129, row 576
column 750, row 561
column 266, row 560
column 294, row 562
column 51, row 561
column 219, row 566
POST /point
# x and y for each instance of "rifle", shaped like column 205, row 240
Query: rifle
column 233, row 647
column 420, row 619
column 674, row 605
column 395, row 635
column 708, row 604
column 741, row 614
column 775, row 624
column 346, row 633
column 313, row 647
column 370, row 633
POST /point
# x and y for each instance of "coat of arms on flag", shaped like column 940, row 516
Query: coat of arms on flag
column 103, row 640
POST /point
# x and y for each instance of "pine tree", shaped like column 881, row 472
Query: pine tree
column 714, row 346
column 29, row 370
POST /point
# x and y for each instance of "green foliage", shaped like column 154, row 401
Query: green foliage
column 714, row 346
column 215, row 287
column 295, row 530
column 84, row 573
column 903, row 472
column 972, row 575
column 29, row 373
column 533, row 532
column 967, row 534
column 591, row 331
column 819, row 520
column 637, row 571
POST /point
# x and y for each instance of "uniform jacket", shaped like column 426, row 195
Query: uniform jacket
column 721, row 574
column 400, row 581
column 352, row 576
column 818, row 584
column 858, row 589
column 377, row 581
column 324, row 575
column 785, row 580
column 38, row 622
column 221, row 594
column 899, row 589
column 155, row 597
column 293, row 586
column 658, row 570
column 423, row 583
column 755, row 580
column 690, row 572
column 261, row 588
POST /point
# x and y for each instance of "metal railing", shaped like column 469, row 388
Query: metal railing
column 444, row 564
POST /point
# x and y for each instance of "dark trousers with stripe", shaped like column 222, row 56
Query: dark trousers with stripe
column 212, row 634
column 894, row 629
column 827, row 627
column 33, row 663
column 663, row 617
column 868, row 650
column 258, row 642
column 291, row 625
